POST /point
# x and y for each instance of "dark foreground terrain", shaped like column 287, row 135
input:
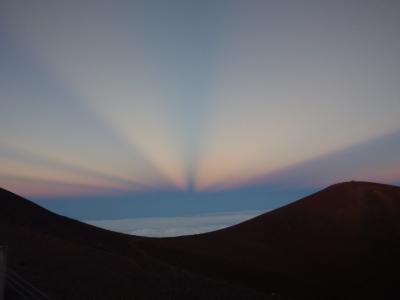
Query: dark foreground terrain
column 340, row 243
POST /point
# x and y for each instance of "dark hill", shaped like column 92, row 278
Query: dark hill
column 340, row 243
column 67, row 259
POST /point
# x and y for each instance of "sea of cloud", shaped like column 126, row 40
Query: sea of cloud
column 175, row 226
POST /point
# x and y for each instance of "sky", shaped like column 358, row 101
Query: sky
column 133, row 109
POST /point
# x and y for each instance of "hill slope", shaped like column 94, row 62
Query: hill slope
column 342, row 242
column 68, row 259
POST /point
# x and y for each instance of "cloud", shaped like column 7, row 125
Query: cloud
column 175, row 226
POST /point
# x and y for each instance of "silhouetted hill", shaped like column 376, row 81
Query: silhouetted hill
column 340, row 243
column 68, row 259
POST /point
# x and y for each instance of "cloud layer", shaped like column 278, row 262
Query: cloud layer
column 175, row 226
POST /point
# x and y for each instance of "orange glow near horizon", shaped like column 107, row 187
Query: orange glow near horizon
column 129, row 97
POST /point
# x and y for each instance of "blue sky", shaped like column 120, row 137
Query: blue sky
column 118, row 109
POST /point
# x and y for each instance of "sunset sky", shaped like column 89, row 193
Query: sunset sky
column 117, row 109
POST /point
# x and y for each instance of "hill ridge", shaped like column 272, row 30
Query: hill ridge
column 342, row 240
